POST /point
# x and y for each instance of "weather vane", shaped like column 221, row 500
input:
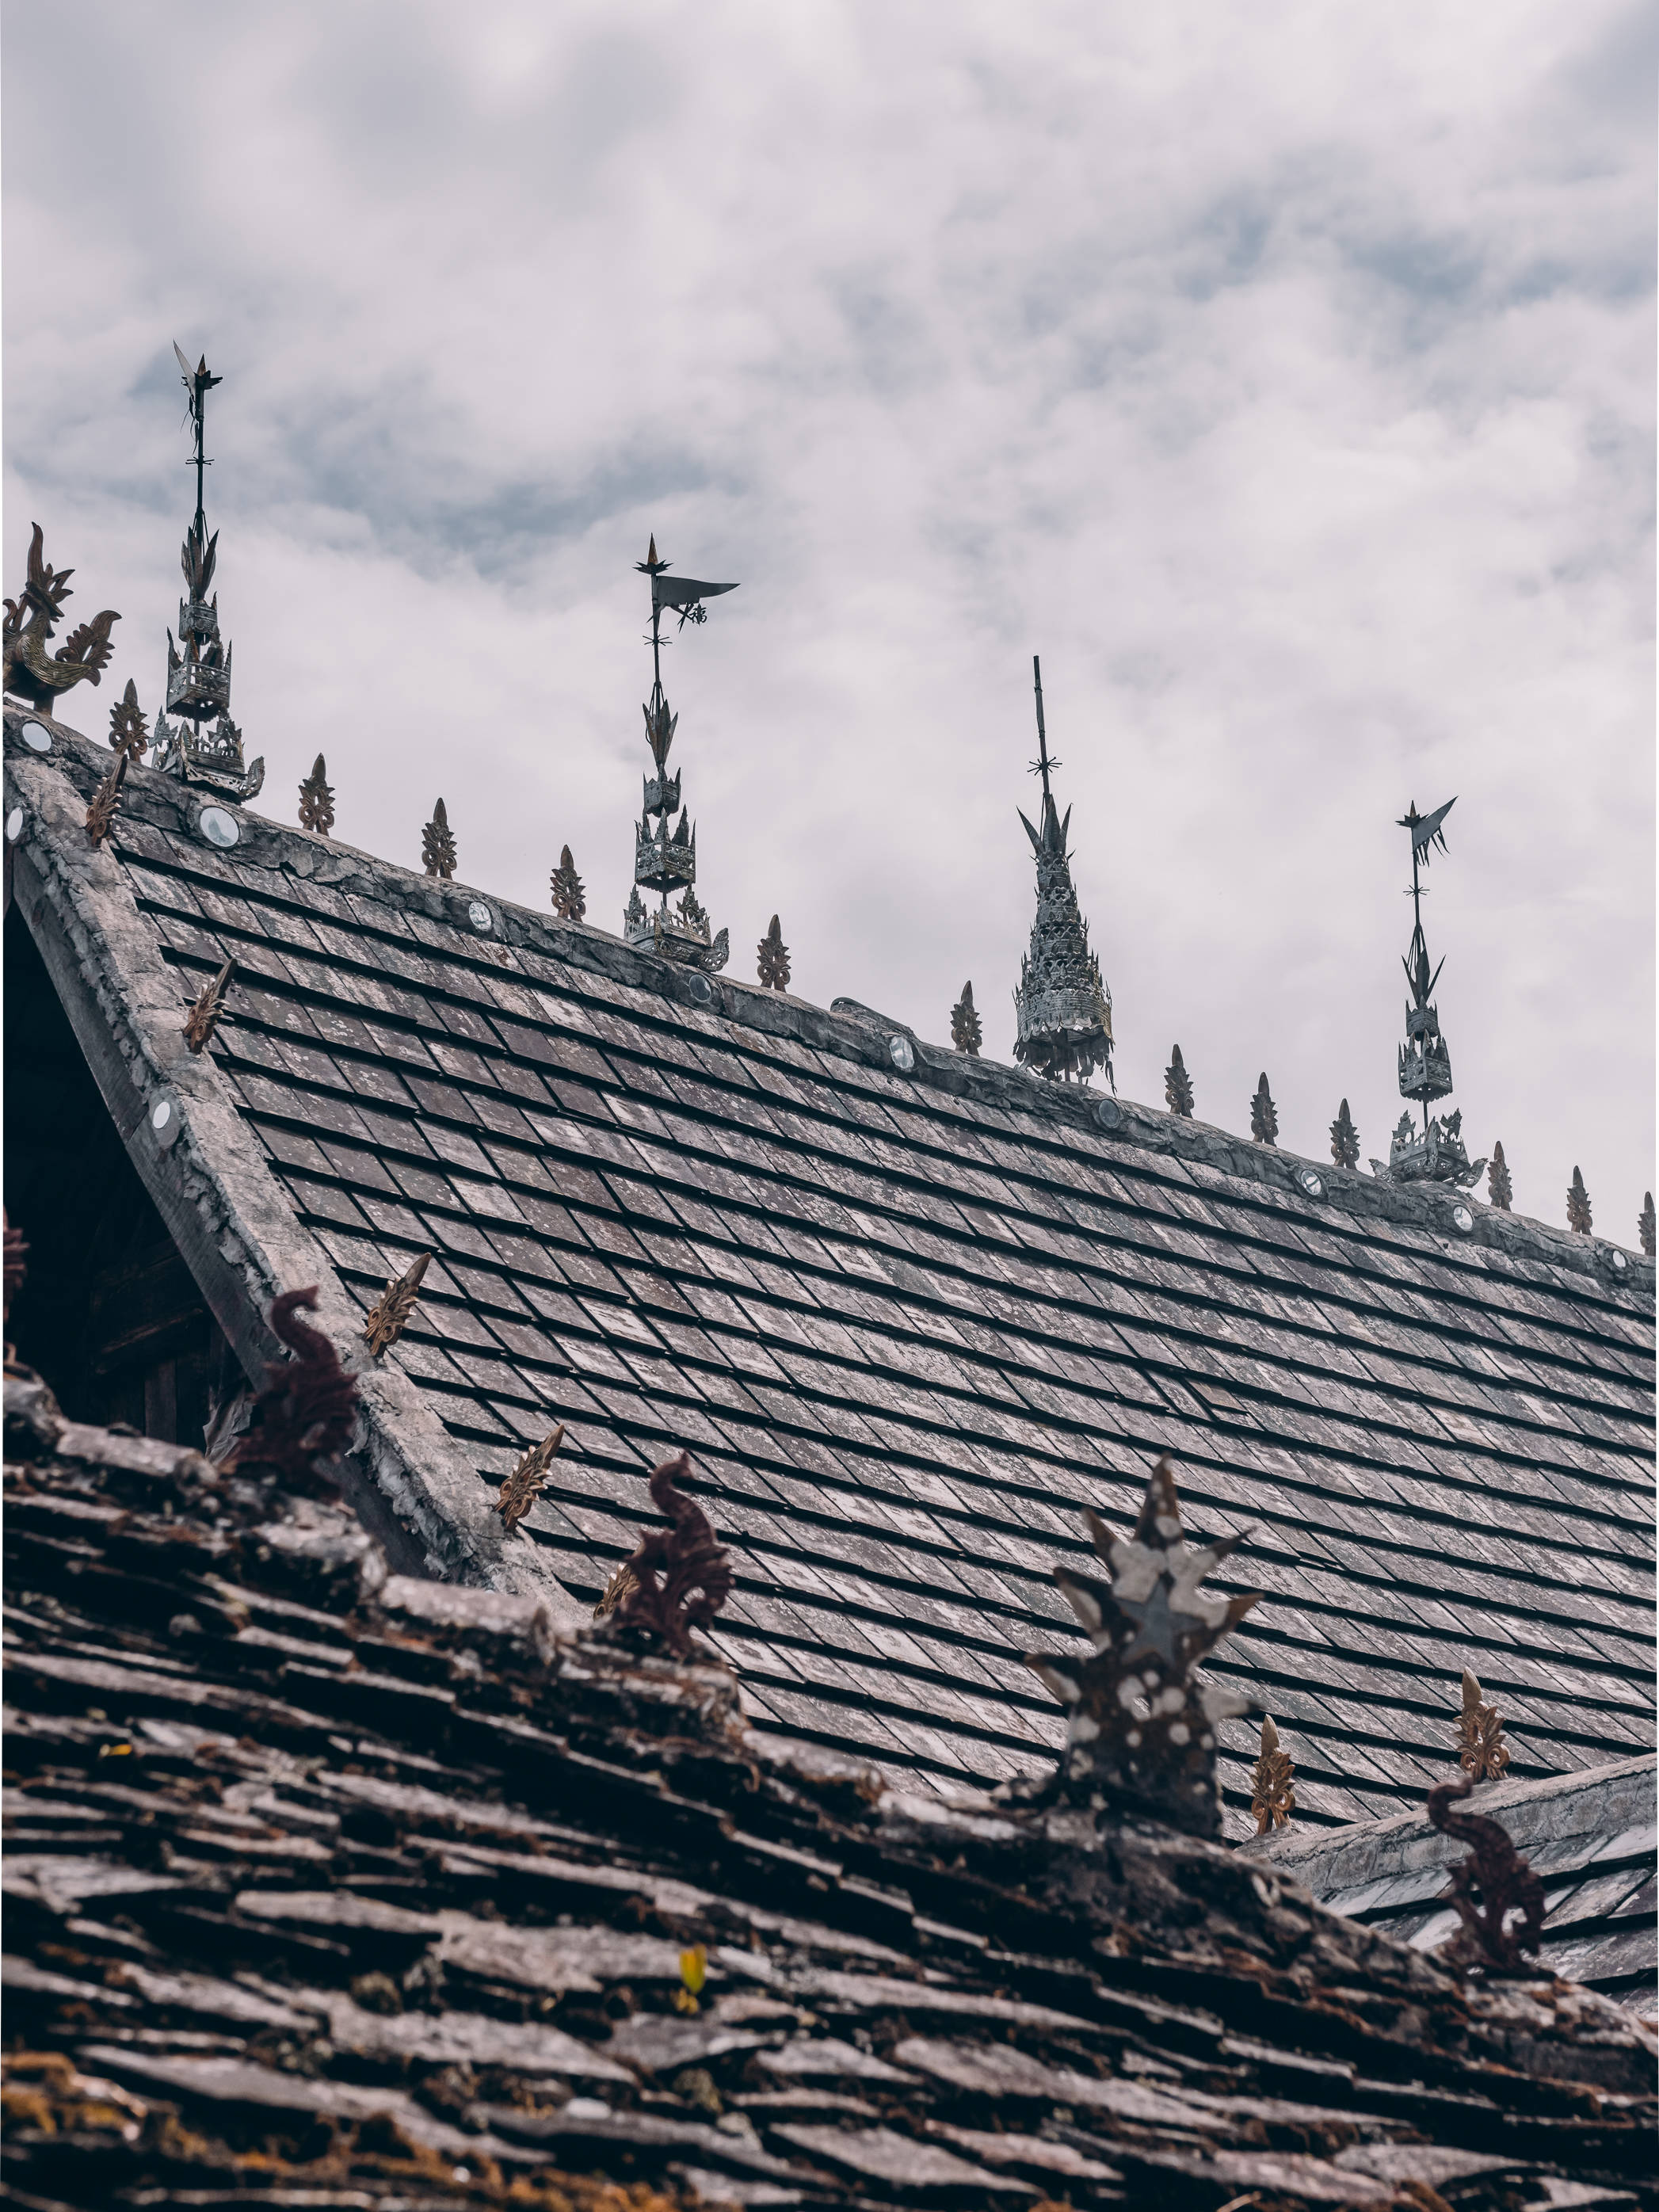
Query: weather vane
column 198, row 665
column 1438, row 1154
column 665, row 859
column 1062, row 1008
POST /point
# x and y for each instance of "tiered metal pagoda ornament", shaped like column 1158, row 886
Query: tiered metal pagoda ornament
column 1438, row 1153
column 198, row 665
column 1062, row 1009
column 665, row 859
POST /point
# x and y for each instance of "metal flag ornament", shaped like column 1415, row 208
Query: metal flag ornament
column 1062, row 1008
column 198, row 665
column 1438, row 1154
column 665, row 859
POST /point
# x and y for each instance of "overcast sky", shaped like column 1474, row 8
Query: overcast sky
column 1284, row 375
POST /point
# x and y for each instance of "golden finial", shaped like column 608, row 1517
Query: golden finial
column 524, row 1485
column 203, row 1017
column 1481, row 1750
column 1272, row 1798
column 388, row 1316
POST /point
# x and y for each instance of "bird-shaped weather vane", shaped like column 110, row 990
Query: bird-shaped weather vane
column 665, row 859
column 198, row 664
column 1438, row 1153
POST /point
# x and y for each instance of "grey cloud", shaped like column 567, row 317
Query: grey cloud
column 1285, row 381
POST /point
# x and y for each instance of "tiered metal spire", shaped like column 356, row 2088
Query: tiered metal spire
column 198, row 665
column 1062, row 1008
column 665, row 859
column 1438, row 1153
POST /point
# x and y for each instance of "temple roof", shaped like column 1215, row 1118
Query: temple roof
column 908, row 1311
column 328, row 1887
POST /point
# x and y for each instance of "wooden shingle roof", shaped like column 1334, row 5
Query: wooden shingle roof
column 908, row 1312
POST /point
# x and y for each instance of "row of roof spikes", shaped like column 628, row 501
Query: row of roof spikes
column 129, row 738
column 1063, row 1005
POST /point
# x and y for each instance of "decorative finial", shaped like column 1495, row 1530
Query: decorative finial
column 681, row 1576
column 1481, row 1750
column 1141, row 1732
column 1272, row 1801
column 1578, row 1205
column 1509, row 1920
column 307, row 1411
column 1645, row 1224
column 205, row 1015
column 1062, row 1008
column 527, row 1480
column 569, row 899
column 1178, row 1085
column 29, row 670
column 1500, row 1191
column 438, row 845
column 966, row 1033
column 1345, row 1139
column 665, row 859
column 128, row 733
column 316, row 799
column 388, row 1317
column 774, row 958
column 1264, row 1115
column 100, row 814
column 198, row 665
column 32, row 673
column 1438, row 1154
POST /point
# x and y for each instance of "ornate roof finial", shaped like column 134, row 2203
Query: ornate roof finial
column 1272, row 1801
column 1264, row 1115
column 1500, row 1191
column 128, row 733
column 1510, row 1918
column 774, row 958
column 1645, row 1224
column 316, row 799
column 967, row 1033
column 1578, row 1205
column 438, row 845
column 681, row 1576
column 1345, row 1139
column 1062, row 1008
column 665, row 859
column 1141, row 1732
column 100, row 814
column 198, row 665
column 569, row 899
column 31, row 672
column 525, row 1485
column 1481, row 1750
column 1439, row 1154
column 209, row 1010
column 1178, row 1085
column 388, row 1317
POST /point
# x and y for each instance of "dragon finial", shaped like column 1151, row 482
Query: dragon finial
column 681, row 1576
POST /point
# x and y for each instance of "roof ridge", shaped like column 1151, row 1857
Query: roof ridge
column 855, row 1032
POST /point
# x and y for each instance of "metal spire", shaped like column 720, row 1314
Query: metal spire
column 1062, row 1008
column 198, row 665
column 665, row 859
column 1438, row 1154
